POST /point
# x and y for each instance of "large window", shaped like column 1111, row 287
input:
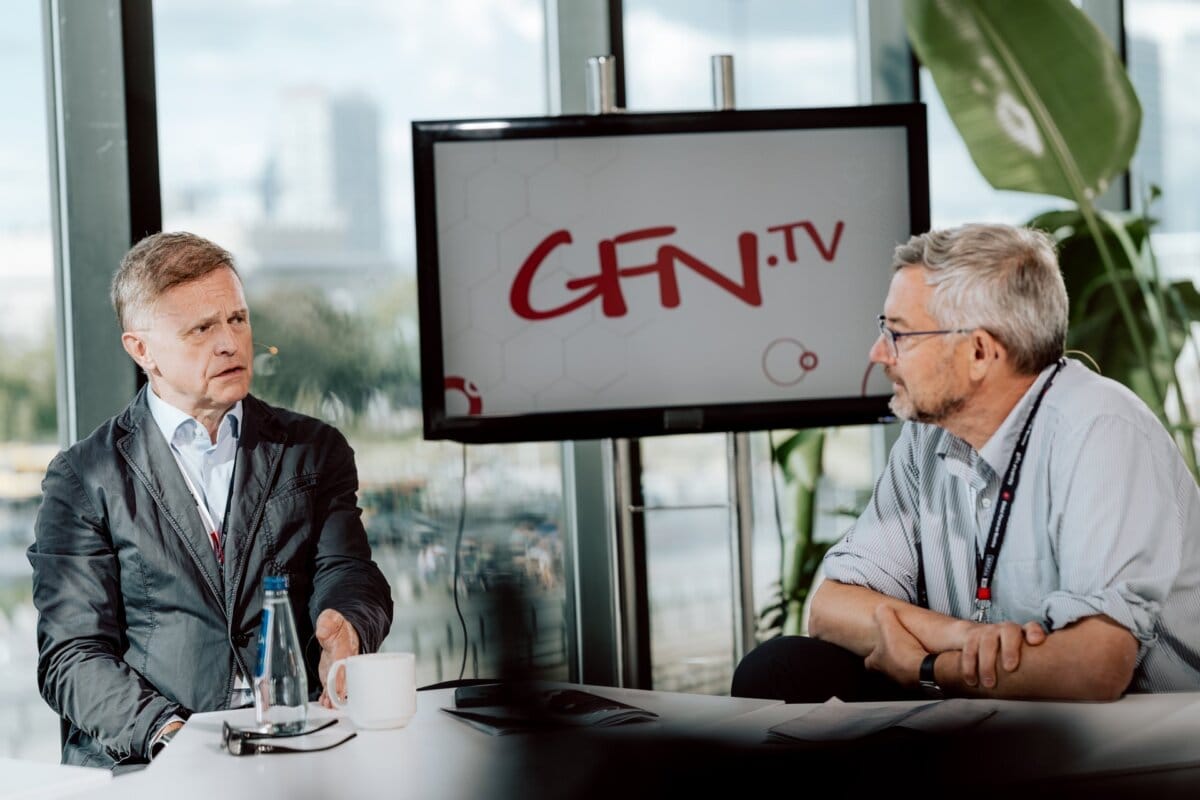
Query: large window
column 28, row 418
column 1163, row 50
column 785, row 54
column 958, row 193
column 284, row 136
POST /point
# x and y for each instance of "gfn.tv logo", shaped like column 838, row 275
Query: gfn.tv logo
column 457, row 387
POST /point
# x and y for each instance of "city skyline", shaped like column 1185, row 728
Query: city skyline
column 210, row 72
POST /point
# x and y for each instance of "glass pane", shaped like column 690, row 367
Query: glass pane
column 1163, row 51
column 684, row 470
column 958, row 193
column 1164, row 56
column 786, row 53
column 28, row 414
column 845, row 479
column 691, row 606
column 284, row 136
column 685, row 487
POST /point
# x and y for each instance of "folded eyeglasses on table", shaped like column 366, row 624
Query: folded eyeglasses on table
column 252, row 741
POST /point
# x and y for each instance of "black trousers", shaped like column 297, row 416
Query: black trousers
column 797, row 669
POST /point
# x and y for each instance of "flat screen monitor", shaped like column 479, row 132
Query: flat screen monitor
column 626, row 275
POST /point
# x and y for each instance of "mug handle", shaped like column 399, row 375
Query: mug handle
column 331, row 685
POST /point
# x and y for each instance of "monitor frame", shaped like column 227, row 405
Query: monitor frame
column 647, row 420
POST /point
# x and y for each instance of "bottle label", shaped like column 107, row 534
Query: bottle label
column 264, row 640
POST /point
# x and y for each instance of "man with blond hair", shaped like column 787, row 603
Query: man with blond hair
column 1035, row 533
column 156, row 531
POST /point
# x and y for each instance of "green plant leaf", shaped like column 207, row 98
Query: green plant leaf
column 1035, row 89
column 799, row 456
column 1096, row 327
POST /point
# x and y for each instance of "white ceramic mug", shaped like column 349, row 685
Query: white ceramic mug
column 381, row 689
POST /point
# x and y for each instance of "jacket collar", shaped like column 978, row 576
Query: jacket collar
column 149, row 457
column 256, row 471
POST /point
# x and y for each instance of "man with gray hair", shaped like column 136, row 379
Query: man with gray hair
column 1035, row 531
column 156, row 531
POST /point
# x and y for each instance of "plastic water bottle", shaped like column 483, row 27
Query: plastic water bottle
column 280, row 679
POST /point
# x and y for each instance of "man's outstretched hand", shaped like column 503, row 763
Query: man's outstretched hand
column 338, row 639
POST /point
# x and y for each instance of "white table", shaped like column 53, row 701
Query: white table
column 1028, row 742
column 1142, row 744
column 31, row 780
column 434, row 756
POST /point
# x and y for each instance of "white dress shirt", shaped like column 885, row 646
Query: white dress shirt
column 208, row 466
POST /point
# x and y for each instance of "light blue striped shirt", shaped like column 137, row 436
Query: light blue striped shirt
column 1106, row 520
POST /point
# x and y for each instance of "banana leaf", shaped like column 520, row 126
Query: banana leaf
column 799, row 458
column 1096, row 326
column 1044, row 105
column 1038, row 94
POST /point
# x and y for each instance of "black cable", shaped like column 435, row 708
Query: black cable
column 462, row 519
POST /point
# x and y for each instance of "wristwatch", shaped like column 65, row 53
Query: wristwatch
column 162, row 742
column 928, row 681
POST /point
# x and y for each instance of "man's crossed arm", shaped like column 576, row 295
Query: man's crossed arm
column 1092, row 659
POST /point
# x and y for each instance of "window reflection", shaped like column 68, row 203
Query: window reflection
column 28, row 413
column 284, row 136
column 786, row 54
column 1163, row 53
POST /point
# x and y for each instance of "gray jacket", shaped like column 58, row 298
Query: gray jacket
column 137, row 621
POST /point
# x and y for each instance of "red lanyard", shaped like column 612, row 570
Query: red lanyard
column 985, row 565
column 215, row 534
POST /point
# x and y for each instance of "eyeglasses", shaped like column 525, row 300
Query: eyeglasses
column 893, row 337
column 251, row 741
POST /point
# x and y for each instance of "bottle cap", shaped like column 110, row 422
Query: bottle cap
column 275, row 583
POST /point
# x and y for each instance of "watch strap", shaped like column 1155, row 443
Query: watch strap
column 928, row 679
column 162, row 741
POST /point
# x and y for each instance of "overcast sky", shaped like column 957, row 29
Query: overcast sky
column 223, row 66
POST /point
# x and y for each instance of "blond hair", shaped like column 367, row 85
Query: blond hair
column 157, row 263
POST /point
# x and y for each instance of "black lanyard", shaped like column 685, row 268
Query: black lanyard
column 985, row 565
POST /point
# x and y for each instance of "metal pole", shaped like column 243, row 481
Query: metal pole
column 606, row 631
column 741, row 498
column 723, row 95
column 602, row 85
column 738, row 466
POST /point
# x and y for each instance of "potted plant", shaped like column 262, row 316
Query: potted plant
column 1044, row 105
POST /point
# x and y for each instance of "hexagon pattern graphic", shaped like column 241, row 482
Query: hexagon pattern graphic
column 496, row 197
column 497, row 204
column 473, row 250
column 595, row 357
column 532, row 360
column 558, row 195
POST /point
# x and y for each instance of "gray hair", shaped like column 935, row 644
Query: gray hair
column 157, row 263
column 1000, row 278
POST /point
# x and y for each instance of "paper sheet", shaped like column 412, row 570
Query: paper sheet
column 835, row 720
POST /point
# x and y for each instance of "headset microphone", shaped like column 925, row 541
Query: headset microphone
column 264, row 363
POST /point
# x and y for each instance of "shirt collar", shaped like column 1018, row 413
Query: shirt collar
column 170, row 419
column 997, row 451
